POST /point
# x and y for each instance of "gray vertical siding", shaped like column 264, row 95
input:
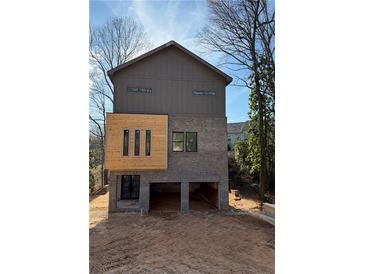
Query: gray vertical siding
column 172, row 75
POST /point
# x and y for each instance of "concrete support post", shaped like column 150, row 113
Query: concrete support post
column 223, row 194
column 112, row 192
column 184, row 197
column 144, row 195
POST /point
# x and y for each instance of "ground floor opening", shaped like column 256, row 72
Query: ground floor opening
column 128, row 191
column 165, row 196
column 135, row 193
column 203, row 196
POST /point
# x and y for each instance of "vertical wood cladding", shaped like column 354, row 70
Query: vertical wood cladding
column 117, row 123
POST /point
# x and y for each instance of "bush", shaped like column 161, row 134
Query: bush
column 92, row 165
column 244, row 157
column 240, row 151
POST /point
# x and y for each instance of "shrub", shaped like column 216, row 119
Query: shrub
column 92, row 165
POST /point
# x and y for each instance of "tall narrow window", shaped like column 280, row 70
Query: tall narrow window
column 125, row 142
column 178, row 141
column 191, row 142
column 148, row 143
column 137, row 142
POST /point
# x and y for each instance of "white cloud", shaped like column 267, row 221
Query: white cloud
column 171, row 20
column 238, row 92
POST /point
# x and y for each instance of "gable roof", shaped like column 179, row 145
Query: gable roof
column 236, row 127
column 158, row 49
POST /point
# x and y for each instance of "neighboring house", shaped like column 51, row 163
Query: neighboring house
column 168, row 130
column 235, row 130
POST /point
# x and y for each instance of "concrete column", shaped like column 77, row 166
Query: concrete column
column 144, row 195
column 184, row 197
column 223, row 194
column 112, row 192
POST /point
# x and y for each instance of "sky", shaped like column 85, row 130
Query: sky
column 174, row 20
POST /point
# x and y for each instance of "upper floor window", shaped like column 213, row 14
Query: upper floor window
column 191, row 142
column 137, row 142
column 125, row 142
column 204, row 92
column 139, row 90
column 148, row 143
column 177, row 141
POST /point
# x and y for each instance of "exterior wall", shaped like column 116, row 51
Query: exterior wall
column 173, row 76
column 208, row 164
column 117, row 122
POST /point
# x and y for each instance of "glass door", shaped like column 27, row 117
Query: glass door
column 130, row 187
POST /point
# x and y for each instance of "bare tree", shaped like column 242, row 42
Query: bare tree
column 110, row 45
column 244, row 31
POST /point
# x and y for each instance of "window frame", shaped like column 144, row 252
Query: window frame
column 183, row 141
column 125, row 149
column 145, row 143
column 139, row 90
column 204, row 92
column 196, row 141
column 135, row 180
column 139, row 143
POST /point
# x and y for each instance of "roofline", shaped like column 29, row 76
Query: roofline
column 168, row 44
column 237, row 123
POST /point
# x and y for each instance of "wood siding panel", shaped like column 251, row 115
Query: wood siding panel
column 116, row 123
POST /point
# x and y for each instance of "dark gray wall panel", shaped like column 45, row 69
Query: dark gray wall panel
column 172, row 75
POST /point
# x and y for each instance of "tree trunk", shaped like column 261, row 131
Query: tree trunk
column 102, row 175
column 263, row 162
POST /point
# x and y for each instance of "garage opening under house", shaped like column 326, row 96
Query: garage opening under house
column 203, row 196
column 165, row 196
column 166, row 139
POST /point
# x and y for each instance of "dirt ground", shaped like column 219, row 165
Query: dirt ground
column 249, row 202
column 198, row 242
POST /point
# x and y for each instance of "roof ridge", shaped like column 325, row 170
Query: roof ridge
column 163, row 46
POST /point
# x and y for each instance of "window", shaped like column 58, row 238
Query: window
column 125, row 142
column 204, row 93
column 191, row 142
column 137, row 141
column 130, row 187
column 177, row 141
column 148, row 143
column 139, row 90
